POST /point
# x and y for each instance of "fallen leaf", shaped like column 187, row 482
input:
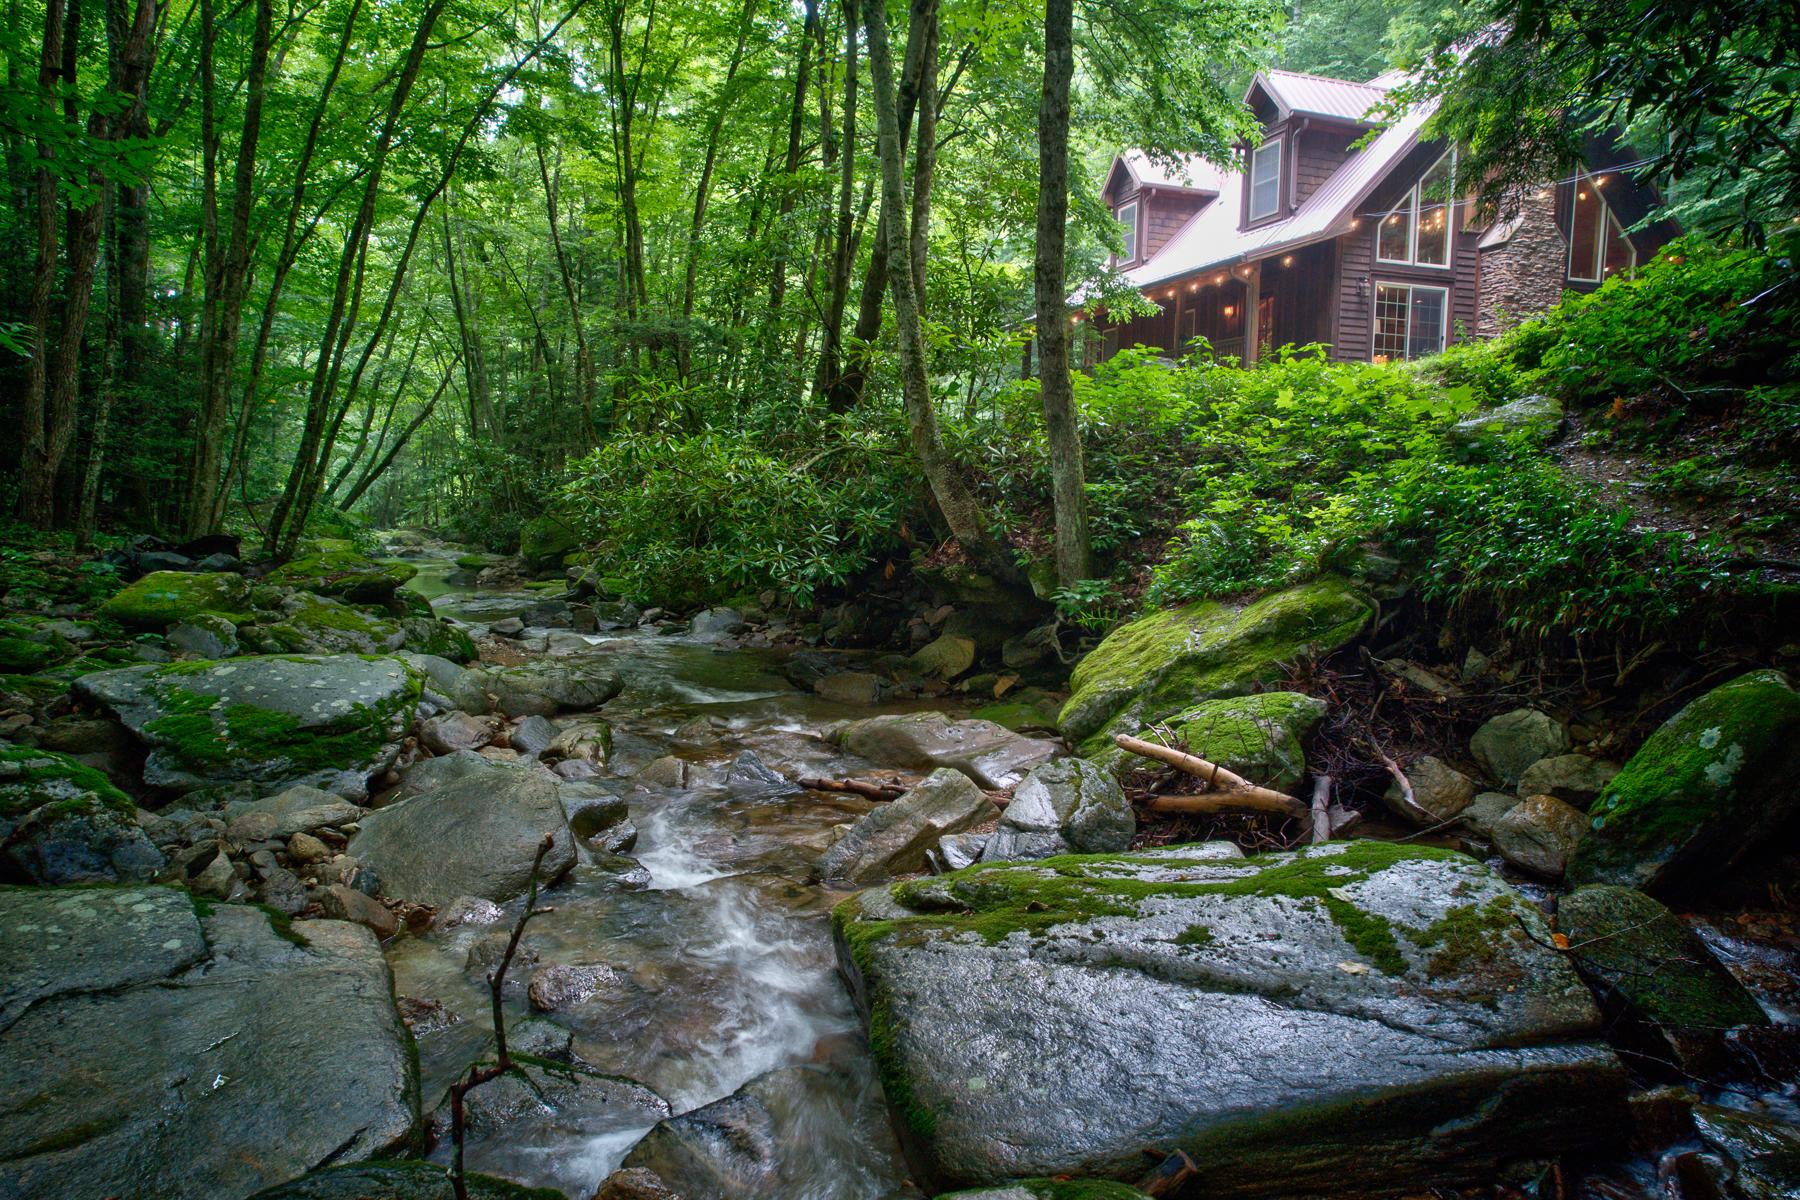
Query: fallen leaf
column 1350, row 968
column 1560, row 940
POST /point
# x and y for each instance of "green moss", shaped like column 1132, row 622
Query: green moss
column 1461, row 941
column 344, row 574
column 30, row 779
column 1195, row 935
column 20, row 656
column 164, row 597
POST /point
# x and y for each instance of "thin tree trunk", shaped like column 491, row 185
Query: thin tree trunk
column 703, row 189
column 790, row 165
column 37, row 474
column 584, row 363
column 1054, row 386
column 844, row 245
column 377, row 468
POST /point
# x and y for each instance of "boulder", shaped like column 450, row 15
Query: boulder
column 523, row 1124
column 565, row 985
column 850, row 687
column 1666, row 993
column 894, row 838
column 544, row 540
column 991, row 755
column 204, row 635
column 1168, row 661
column 540, row 688
column 320, row 625
column 343, row 574
column 449, row 732
column 590, row 809
column 250, row 1052
column 1572, row 778
column 1538, row 834
column 770, row 1139
column 1439, row 793
column 1705, row 794
column 1353, row 1019
column 347, row 904
column 588, row 741
column 1505, row 746
column 272, row 721
column 634, row 1183
column 63, row 822
column 1764, row 1152
column 398, row 1180
column 434, row 774
column 1535, row 418
column 946, row 657
column 958, row 850
column 164, row 598
column 1487, row 808
column 750, row 778
column 1064, row 807
column 1260, row 737
column 477, row 836
column 716, row 623
column 532, row 735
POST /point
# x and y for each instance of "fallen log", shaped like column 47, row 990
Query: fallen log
column 1228, row 782
column 1256, row 800
column 1321, row 809
column 859, row 787
column 1169, row 1176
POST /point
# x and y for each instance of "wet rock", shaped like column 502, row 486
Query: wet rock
column 1439, row 793
column 523, row 1124
column 894, row 839
column 532, row 735
column 635, row 1183
column 347, row 904
column 1764, row 1153
column 955, row 851
column 475, row 837
column 1260, row 737
column 1535, row 418
column 1572, row 778
column 945, row 658
column 164, row 598
column 344, row 575
column 1168, row 999
column 1665, row 992
column 665, row 772
column 850, row 687
column 487, row 951
column 1065, row 807
column 1167, row 661
column 1538, row 834
column 452, row 731
column 204, row 635
column 617, row 839
column 1704, row 796
column 590, row 809
column 1487, row 808
column 468, row 910
column 63, row 822
column 586, row 741
column 330, row 721
column 716, row 623
column 299, row 809
column 749, row 778
column 991, row 755
column 137, row 1004
column 577, row 770
column 1505, row 746
column 540, row 1038
column 555, row 988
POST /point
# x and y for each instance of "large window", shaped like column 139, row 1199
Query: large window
column 1127, row 218
column 1598, row 247
column 1417, row 231
column 1265, row 180
column 1410, row 320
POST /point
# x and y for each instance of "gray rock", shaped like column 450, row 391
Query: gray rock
column 1354, row 1019
column 532, row 735
column 331, row 721
column 894, row 839
column 1537, row 418
column 146, row 1009
column 716, row 623
column 585, row 741
column 1572, row 778
column 549, row 614
column 539, row 688
column 204, row 635
column 299, row 809
column 468, row 910
column 749, row 778
column 850, row 687
column 452, row 731
column 1484, row 810
column 634, row 1183
column 83, row 840
column 475, row 837
column 440, row 673
column 564, row 985
column 1440, row 793
column 434, row 774
column 1539, row 833
column 1513, row 741
column 665, row 772
column 991, row 755
column 955, row 851
column 282, row 891
column 1064, row 807
column 590, row 809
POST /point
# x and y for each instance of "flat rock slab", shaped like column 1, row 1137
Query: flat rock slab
column 1353, row 1019
column 220, row 1058
column 272, row 720
column 991, row 755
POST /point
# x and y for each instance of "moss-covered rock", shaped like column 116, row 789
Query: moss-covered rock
column 1166, row 662
column 320, row 625
column 64, row 822
column 1167, row 996
column 162, row 598
column 543, row 541
column 430, row 635
column 1670, row 996
column 1703, row 795
column 344, row 574
column 31, row 778
column 271, row 720
column 1261, row 737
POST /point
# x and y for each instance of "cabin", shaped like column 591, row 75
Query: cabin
column 1371, row 249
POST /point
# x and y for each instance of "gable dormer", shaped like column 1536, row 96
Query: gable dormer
column 1151, row 201
column 1308, row 124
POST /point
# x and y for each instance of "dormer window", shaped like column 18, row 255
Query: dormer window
column 1126, row 214
column 1598, row 247
column 1418, row 231
column 1265, row 180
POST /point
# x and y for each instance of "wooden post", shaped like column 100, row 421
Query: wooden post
column 1252, row 295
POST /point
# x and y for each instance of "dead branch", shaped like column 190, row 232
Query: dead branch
column 1256, row 800
column 1216, row 776
column 1321, row 809
column 1406, row 788
column 1169, row 1176
column 858, row 787
column 502, row 1063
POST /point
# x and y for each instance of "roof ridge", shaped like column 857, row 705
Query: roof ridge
column 1326, row 78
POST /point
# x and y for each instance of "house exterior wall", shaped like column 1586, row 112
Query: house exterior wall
column 1318, row 153
column 1523, row 275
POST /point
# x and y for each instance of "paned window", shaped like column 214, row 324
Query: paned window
column 1417, row 231
column 1127, row 218
column 1410, row 320
column 1598, row 247
column 1265, row 180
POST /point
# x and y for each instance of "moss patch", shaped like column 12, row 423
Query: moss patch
column 30, row 779
column 162, row 598
column 344, row 574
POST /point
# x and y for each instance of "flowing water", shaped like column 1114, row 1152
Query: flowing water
column 725, row 959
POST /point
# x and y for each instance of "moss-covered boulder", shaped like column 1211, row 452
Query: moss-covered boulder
column 272, row 720
column 543, row 541
column 64, row 822
column 429, row 635
column 1668, row 996
column 320, row 625
column 1261, row 737
column 344, row 574
column 1165, row 663
column 1705, row 795
column 30, row 646
column 162, row 598
column 1354, row 1019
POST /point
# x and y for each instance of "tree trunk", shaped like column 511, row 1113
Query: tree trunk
column 790, row 165
column 844, row 244
column 37, row 474
column 1055, row 389
column 703, row 190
